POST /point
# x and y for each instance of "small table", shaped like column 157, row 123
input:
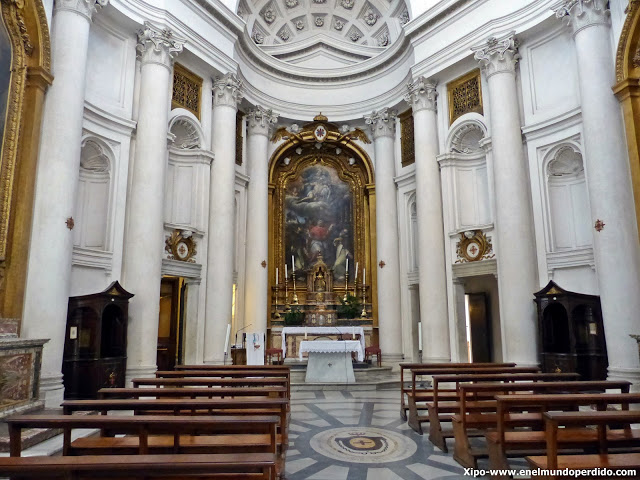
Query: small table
column 330, row 361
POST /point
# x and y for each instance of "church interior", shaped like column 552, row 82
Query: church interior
column 325, row 212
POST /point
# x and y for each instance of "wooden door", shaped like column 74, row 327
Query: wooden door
column 170, row 321
column 480, row 326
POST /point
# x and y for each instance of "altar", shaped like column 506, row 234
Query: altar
column 356, row 333
column 330, row 361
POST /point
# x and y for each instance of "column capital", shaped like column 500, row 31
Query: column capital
column 85, row 8
column 382, row 122
column 422, row 95
column 260, row 120
column 498, row 54
column 226, row 90
column 581, row 14
column 158, row 45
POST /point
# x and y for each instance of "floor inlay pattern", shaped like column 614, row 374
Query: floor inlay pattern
column 340, row 435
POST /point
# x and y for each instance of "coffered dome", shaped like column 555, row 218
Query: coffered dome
column 323, row 33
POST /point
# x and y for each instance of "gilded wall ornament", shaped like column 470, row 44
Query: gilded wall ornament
column 70, row 223
column 187, row 90
column 407, row 146
column 465, row 95
column 474, row 246
column 599, row 226
column 181, row 246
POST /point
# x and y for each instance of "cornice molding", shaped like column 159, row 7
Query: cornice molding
column 498, row 55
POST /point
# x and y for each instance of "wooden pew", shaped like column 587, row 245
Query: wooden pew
column 193, row 392
column 209, row 382
column 148, row 467
column 153, row 434
column 231, row 367
column 467, row 423
column 404, row 389
column 190, row 406
column 605, row 438
column 504, row 442
column 261, row 372
column 441, row 410
column 420, row 395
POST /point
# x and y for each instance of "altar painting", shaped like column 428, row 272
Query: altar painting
column 319, row 220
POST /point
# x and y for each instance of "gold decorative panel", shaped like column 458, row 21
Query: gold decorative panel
column 465, row 95
column 239, row 117
column 187, row 90
column 406, row 138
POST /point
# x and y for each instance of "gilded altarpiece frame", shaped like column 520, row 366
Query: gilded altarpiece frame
column 339, row 152
column 28, row 34
column 627, row 90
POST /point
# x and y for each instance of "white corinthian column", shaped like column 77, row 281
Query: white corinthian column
column 383, row 127
column 220, row 261
column 431, row 259
column 144, row 240
column 49, row 269
column 516, row 252
column 257, row 245
column 609, row 181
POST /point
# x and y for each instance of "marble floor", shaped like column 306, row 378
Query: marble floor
column 340, row 435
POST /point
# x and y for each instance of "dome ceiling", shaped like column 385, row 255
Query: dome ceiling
column 323, row 33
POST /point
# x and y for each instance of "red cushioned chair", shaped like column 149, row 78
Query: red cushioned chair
column 273, row 352
column 371, row 351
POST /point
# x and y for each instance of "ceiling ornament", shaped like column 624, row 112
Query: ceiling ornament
column 258, row 37
column 320, row 131
column 348, row 4
column 291, row 3
column 269, row 15
column 339, row 25
column 355, row 36
column 319, row 21
column 383, row 40
column 284, row 34
column 299, row 25
column 404, row 17
column 371, row 17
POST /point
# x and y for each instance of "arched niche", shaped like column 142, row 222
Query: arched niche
column 627, row 90
column 25, row 70
column 568, row 213
column 186, row 129
column 94, row 196
column 303, row 169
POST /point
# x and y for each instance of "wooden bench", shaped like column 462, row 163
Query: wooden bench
column 404, row 389
column 606, row 437
column 505, row 441
column 193, row 392
column 420, row 395
column 147, row 467
column 467, row 423
column 441, row 410
column 210, row 382
column 190, row 406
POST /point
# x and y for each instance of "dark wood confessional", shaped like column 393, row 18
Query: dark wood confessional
column 571, row 333
column 95, row 348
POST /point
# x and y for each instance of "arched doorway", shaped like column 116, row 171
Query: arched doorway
column 322, row 218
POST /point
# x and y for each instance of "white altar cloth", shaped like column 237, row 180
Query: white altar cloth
column 321, row 330
column 332, row 346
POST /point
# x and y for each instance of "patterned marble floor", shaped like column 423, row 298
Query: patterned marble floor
column 340, row 435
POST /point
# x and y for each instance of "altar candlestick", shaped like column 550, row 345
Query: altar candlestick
column 305, row 333
column 364, row 276
column 420, row 336
column 355, row 279
column 276, row 275
column 286, row 272
column 293, row 264
column 346, row 269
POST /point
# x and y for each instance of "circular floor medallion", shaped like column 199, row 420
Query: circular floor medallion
column 363, row 445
